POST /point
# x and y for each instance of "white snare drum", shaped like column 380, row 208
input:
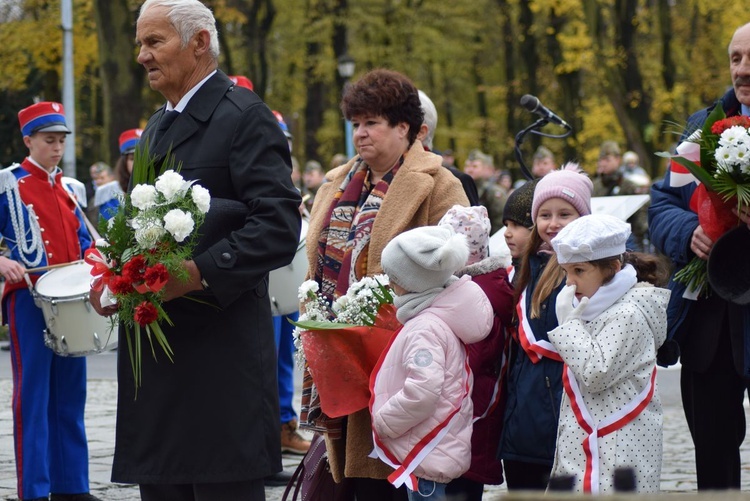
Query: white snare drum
column 74, row 328
column 284, row 282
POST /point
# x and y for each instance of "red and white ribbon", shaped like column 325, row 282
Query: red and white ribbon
column 403, row 473
column 535, row 349
column 604, row 427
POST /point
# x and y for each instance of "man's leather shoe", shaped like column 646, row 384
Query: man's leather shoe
column 279, row 479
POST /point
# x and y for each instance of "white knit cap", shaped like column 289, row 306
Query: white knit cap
column 475, row 224
column 591, row 237
column 424, row 258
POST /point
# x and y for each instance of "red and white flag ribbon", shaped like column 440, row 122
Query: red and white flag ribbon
column 403, row 473
column 534, row 348
column 604, row 427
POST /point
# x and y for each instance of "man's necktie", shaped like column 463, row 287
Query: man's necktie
column 166, row 120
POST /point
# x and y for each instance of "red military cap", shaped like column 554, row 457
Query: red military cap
column 129, row 139
column 45, row 116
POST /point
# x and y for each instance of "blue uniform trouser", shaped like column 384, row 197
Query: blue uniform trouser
column 283, row 330
column 49, row 396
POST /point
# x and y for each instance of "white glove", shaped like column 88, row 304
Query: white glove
column 564, row 306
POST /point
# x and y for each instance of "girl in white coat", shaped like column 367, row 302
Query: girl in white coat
column 611, row 324
column 421, row 387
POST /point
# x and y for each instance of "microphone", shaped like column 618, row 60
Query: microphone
column 533, row 104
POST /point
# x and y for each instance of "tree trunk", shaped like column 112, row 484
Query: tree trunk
column 121, row 75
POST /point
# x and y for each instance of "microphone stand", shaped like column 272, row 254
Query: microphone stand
column 519, row 141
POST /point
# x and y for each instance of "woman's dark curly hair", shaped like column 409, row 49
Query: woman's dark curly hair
column 387, row 94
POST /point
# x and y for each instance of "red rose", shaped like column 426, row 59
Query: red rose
column 134, row 269
column 120, row 285
column 145, row 313
column 156, row 277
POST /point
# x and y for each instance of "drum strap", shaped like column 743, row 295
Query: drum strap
column 92, row 231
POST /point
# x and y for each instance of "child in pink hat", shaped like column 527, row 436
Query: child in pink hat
column 534, row 381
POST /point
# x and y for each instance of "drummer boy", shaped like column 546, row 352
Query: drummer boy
column 42, row 226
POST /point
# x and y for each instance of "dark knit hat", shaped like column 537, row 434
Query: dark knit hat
column 518, row 206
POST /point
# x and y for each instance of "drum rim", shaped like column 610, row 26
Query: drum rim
column 83, row 294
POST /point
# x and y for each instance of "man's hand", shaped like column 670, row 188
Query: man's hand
column 700, row 244
column 13, row 271
column 95, row 298
column 176, row 288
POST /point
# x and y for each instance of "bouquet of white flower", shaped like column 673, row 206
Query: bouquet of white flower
column 146, row 242
column 341, row 344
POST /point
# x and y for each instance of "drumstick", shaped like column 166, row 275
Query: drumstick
column 306, row 198
column 52, row 266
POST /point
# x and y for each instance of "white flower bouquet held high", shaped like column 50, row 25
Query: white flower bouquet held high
column 341, row 344
column 144, row 244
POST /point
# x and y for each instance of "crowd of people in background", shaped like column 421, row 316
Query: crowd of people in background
column 551, row 376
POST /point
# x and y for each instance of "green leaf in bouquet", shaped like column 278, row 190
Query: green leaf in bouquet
column 317, row 325
column 144, row 165
column 695, row 276
column 709, row 140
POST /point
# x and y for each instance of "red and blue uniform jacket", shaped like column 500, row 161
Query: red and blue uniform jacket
column 40, row 221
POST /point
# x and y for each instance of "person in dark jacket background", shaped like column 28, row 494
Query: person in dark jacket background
column 713, row 334
column 427, row 134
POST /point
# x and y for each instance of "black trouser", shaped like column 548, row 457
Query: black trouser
column 228, row 491
column 713, row 404
column 370, row 489
column 463, row 489
column 522, row 476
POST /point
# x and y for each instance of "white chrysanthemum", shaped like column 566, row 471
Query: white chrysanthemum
column 733, row 135
column 201, row 197
column 143, row 196
column 179, row 224
column 307, row 289
column 147, row 232
column 725, row 156
column 171, row 185
column 340, row 305
column 382, row 279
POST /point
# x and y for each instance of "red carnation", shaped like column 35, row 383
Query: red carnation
column 134, row 269
column 156, row 275
column 721, row 125
column 145, row 313
column 120, row 285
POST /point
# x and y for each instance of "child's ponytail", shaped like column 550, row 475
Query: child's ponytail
column 648, row 267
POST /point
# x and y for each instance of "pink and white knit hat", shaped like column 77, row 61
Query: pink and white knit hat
column 570, row 184
column 474, row 223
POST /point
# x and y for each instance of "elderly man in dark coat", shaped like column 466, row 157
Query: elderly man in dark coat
column 206, row 426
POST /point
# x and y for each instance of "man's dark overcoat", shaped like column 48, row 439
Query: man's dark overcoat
column 213, row 414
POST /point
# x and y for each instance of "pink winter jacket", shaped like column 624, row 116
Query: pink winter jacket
column 421, row 380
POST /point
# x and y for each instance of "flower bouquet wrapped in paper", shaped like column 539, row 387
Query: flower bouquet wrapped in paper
column 717, row 159
column 342, row 344
column 143, row 245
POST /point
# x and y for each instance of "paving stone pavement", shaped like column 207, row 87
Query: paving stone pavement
column 678, row 475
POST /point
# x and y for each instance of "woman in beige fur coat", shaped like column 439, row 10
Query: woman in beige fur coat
column 391, row 186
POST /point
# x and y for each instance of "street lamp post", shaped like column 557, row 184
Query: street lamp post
column 68, row 98
column 345, row 65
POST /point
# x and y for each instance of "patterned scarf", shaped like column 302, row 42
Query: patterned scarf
column 342, row 260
